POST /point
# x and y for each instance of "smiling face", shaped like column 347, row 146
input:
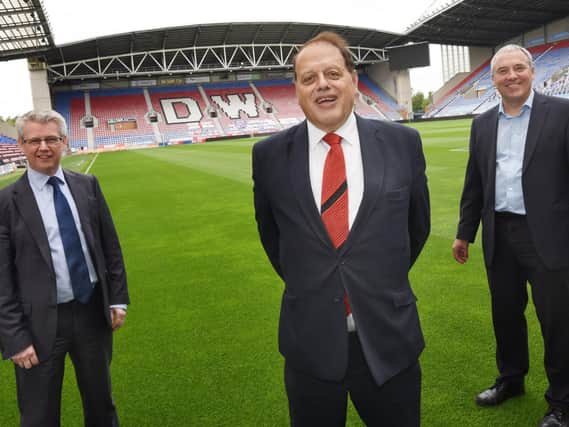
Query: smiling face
column 42, row 158
column 325, row 88
column 512, row 76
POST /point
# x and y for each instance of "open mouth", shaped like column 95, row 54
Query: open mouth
column 325, row 100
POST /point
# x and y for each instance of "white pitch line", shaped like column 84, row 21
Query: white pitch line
column 91, row 164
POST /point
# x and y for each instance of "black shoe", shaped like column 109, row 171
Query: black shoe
column 555, row 417
column 500, row 392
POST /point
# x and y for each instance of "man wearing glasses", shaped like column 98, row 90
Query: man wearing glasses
column 63, row 284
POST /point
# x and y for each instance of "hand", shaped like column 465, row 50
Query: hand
column 460, row 251
column 27, row 358
column 118, row 316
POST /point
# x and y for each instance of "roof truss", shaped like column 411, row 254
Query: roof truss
column 195, row 59
column 24, row 29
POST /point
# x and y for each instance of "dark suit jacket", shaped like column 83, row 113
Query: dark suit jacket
column 390, row 229
column 28, row 295
column 545, row 181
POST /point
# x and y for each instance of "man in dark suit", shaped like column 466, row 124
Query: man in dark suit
column 517, row 184
column 342, row 209
column 62, row 279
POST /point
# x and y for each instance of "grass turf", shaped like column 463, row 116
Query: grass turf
column 199, row 347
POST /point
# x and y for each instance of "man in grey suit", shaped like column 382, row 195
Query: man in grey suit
column 63, row 284
column 342, row 209
column 517, row 185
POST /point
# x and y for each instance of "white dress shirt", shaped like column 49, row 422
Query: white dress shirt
column 43, row 193
column 317, row 152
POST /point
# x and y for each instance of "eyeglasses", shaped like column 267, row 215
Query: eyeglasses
column 49, row 140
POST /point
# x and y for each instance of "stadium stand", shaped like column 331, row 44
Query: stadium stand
column 121, row 119
column 9, row 151
column 183, row 114
column 6, row 140
column 384, row 102
column 194, row 113
column 240, row 109
column 476, row 94
column 71, row 106
column 280, row 94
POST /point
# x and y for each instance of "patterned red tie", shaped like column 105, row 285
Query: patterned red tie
column 334, row 201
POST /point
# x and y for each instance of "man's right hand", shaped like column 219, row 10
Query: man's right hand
column 27, row 358
column 460, row 251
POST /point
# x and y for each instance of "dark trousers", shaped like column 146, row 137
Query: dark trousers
column 83, row 333
column 515, row 263
column 317, row 403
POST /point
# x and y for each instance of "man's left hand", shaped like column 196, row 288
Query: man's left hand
column 118, row 316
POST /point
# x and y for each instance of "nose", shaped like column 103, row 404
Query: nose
column 512, row 74
column 322, row 81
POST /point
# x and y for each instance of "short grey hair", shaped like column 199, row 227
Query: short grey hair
column 511, row 48
column 44, row 117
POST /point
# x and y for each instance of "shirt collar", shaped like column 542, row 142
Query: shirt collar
column 527, row 106
column 38, row 180
column 346, row 131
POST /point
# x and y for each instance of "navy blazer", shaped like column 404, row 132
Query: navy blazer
column 28, row 294
column 389, row 231
column 545, row 181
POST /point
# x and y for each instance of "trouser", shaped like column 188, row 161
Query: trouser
column 314, row 402
column 83, row 333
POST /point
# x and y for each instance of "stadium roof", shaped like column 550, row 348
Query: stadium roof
column 24, row 29
column 25, row 32
column 205, row 48
column 485, row 22
column 247, row 33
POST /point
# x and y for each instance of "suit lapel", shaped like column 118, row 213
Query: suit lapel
column 485, row 148
column 29, row 211
column 537, row 119
column 493, row 138
column 373, row 170
column 300, row 179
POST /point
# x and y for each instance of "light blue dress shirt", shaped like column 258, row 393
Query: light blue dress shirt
column 43, row 192
column 510, row 147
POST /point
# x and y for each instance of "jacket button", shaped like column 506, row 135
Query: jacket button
column 337, row 299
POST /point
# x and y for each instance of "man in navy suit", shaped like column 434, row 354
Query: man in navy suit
column 517, row 185
column 63, row 283
column 342, row 209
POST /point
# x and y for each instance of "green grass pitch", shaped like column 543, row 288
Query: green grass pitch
column 199, row 347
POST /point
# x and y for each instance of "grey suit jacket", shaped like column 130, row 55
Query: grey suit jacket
column 545, row 181
column 28, row 295
column 389, row 231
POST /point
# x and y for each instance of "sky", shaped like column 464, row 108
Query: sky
column 75, row 20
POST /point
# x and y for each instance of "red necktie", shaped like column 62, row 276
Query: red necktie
column 334, row 200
